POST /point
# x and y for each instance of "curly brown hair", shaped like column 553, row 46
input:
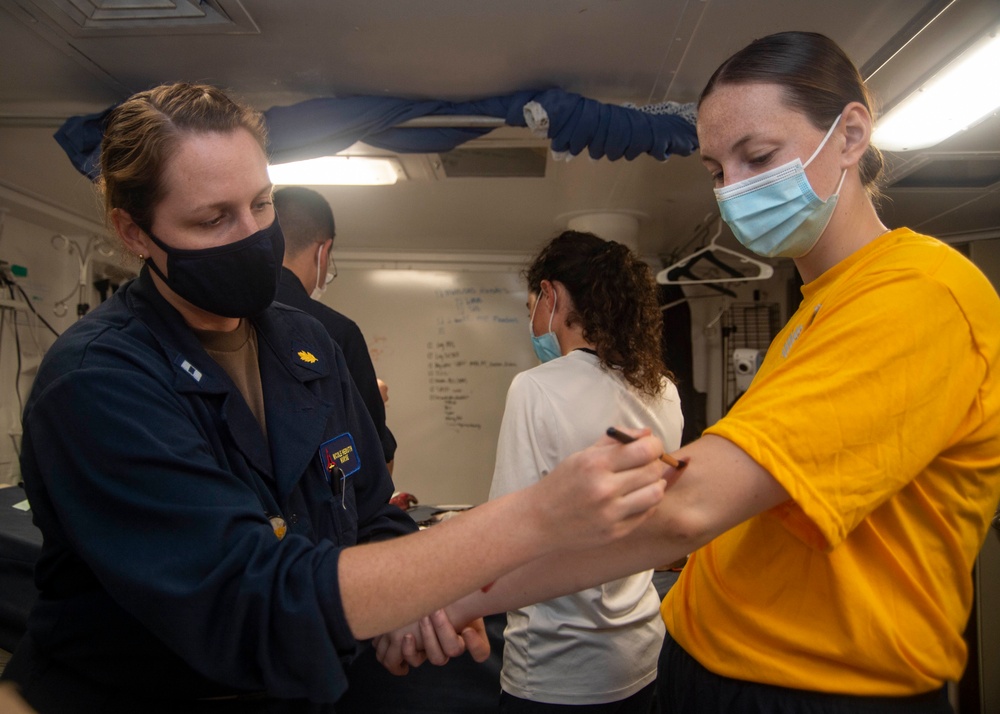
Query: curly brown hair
column 614, row 300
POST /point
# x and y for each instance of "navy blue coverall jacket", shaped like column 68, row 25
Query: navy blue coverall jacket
column 346, row 333
column 161, row 577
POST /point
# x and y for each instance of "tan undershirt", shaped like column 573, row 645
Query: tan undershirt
column 236, row 352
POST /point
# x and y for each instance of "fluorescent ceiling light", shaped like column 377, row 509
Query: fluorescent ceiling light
column 957, row 97
column 337, row 170
column 437, row 279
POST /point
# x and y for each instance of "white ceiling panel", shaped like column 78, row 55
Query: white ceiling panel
column 55, row 64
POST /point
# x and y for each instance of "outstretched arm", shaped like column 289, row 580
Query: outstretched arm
column 720, row 487
column 592, row 498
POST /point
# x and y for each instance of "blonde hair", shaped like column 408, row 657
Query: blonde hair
column 142, row 132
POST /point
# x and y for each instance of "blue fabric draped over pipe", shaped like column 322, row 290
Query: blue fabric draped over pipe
column 325, row 126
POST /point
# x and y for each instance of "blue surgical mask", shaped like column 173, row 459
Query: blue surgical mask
column 546, row 346
column 777, row 214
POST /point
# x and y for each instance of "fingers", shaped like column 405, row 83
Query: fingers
column 389, row 655
column 448, row 637
column 643, row 448
column 432, row 648
column 477, row 643
column 413, row 656
column 381, row 645
column 397, row 652
column 641, row 489
column 616, row 485
column 629, row 479
column 627, row 483
column 432, row 639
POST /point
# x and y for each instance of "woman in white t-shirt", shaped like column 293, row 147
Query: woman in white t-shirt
column 596, row 327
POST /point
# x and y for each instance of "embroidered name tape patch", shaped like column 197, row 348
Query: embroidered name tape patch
column 340, row 451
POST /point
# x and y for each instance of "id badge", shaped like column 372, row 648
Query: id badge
column 340, row 460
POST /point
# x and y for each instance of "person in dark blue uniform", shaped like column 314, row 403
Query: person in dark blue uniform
column 308, row 226
column 201, row 466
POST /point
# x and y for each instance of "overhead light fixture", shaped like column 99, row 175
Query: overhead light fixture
column 957, row 97
column 337, row 171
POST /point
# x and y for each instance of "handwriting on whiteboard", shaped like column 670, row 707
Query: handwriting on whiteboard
column 451, row 379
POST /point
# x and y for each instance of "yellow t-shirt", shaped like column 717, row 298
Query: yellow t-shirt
column 878, row 409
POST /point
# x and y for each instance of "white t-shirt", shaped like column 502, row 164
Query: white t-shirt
column 601, row 644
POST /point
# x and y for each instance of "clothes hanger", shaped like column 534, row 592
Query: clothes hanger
column 689, row 298
column 681, row 272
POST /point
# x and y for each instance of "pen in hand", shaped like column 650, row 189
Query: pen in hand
column 626, row 439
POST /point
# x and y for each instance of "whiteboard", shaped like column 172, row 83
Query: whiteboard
column 448, row 343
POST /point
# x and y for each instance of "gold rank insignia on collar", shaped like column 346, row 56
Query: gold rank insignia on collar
column 307, row 357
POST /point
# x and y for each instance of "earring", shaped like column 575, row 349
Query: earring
column 141, row 257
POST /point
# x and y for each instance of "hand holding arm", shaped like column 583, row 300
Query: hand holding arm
column 720, row 487
column 593, row 497
column 432, row 639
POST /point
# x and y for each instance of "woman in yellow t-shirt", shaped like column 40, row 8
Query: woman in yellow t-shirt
column 835, row 513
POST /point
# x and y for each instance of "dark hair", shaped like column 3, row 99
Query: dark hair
column 818, row 79
column 305, row 217
column 614, row 300
column 142, row 132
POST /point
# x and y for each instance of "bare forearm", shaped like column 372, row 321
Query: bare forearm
column 721, row 487
column 558, row 574
column 414, row 575
column 591, row 499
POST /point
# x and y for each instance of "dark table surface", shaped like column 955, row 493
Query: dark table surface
column 20, row 543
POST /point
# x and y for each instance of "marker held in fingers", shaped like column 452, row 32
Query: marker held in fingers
column 626, row 439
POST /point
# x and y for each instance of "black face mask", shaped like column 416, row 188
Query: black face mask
column 235, row 280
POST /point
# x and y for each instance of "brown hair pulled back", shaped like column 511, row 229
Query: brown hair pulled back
column 818, row 79
column 142, row 132
column 614, row 300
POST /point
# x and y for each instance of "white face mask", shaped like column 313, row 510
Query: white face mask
column 321, row 283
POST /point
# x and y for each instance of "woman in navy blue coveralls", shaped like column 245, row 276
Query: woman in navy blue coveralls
column 198, row 460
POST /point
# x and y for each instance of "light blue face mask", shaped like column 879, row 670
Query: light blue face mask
column 777, row 214
column 546, row 346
